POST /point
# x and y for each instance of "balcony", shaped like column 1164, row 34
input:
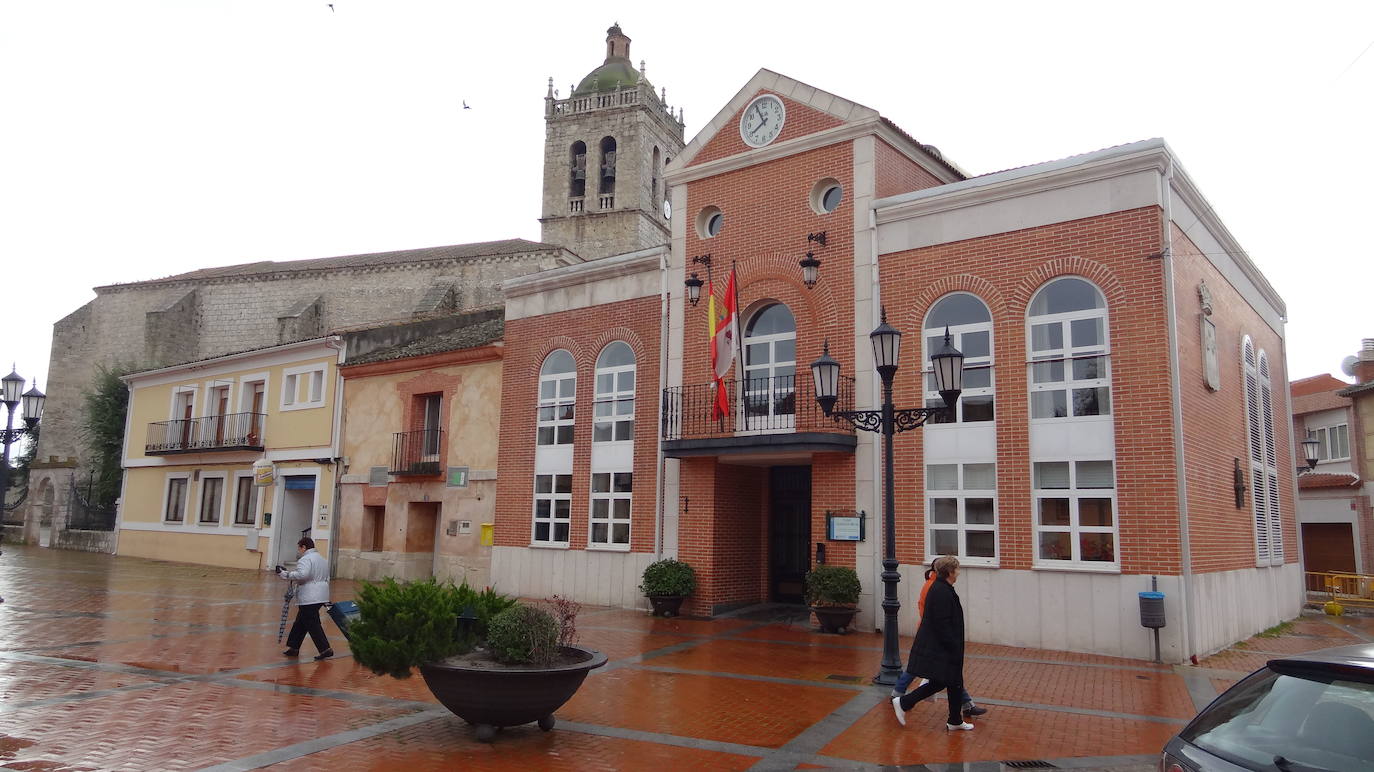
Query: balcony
column 765, row 416
column 418, row 453
column 233, row 431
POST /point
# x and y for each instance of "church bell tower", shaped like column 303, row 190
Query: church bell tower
column 605, row 146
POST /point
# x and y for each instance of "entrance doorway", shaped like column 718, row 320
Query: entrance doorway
column 1328, row 548
column 789, row 532
column 297, row 501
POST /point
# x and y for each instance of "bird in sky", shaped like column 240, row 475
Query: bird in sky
column 465, row 105
column 331, row 7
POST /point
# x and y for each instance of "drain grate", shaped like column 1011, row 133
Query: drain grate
column 1037, row 764
column 848, row 679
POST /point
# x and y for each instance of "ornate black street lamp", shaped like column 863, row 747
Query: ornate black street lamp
column 10, row 386
column 949, row 378
column 1310, row 446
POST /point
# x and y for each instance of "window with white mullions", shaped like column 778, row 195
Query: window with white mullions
column 610, row 521
column 1075, row 513
column 211, row 499
column 970, row 329
column 1069, row 368
column 1333, row 442
column 552, row 508
column 614, row 409
column 557, row 393
column 961, row 511
column 770, row 366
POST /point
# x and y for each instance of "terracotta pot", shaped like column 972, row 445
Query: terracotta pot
column 834, row 619
column 666, row 605
column 489, row 698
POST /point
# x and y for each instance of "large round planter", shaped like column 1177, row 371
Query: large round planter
column 490, row 698
column 666, row 605
column 834, row 619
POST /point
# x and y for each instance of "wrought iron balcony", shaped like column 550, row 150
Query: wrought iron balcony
column 418, row 453
column 776, row 405
column 232, row 431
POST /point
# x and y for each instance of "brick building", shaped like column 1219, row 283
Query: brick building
column 1124, row 358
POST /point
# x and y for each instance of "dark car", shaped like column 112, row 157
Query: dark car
column 1307, row 712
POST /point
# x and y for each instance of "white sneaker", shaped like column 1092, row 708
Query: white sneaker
column 901, row 714
column 964, row 727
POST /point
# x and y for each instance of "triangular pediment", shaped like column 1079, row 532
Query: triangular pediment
column 809, row 110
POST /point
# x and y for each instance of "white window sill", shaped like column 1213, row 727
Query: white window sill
column 1080, row 568
column 302, row 406
column 210, row 524
column 541, row 545
column 608, row 548
column 968, row 562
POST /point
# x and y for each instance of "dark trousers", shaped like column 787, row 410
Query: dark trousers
column 953, row 693
column 307, row 621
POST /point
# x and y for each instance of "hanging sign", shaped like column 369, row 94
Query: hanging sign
column 264, row 473
column 845, row 525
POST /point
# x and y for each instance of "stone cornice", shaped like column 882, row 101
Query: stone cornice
column 464, row 356
column 580, row 274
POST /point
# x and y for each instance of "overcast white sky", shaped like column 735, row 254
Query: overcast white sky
column 141, row 139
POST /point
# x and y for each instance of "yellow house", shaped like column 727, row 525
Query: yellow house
column 193, row 436
column 422, row 413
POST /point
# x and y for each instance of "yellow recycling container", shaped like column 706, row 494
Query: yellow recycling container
column 488, row 534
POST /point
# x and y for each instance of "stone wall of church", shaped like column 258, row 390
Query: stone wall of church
column 150, row 325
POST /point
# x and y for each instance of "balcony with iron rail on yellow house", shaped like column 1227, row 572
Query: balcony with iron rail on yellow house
column 1343, row 588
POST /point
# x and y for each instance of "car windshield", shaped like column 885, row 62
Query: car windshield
column 1306, row 720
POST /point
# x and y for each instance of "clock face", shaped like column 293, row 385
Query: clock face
column 667, row 210
column 762, row 121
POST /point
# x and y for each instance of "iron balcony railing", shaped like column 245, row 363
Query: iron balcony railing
column 418, row 452
column 777, row 404
column 232, row 431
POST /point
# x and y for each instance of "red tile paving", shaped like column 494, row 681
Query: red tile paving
column 678, row 693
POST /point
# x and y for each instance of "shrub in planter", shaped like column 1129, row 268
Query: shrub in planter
column 523, row 635
column 668, row 577
column 832, row 586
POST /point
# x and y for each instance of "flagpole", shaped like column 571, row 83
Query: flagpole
column 739, row 337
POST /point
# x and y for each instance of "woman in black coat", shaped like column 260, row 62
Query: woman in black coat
column 938, row 651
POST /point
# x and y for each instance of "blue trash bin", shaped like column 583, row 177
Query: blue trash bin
column 343, row 613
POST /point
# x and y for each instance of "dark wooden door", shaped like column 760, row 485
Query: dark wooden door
column 789, row 531
column 1327, row 547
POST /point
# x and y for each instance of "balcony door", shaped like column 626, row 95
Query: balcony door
column 219, row 408
column 180, row 427
column 769, row 389
column 429, row 441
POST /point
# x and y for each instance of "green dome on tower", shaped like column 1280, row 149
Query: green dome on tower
column 616, row 72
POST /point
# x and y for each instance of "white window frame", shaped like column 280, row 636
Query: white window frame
column 205, row 477
column 1067, row 354
column 304, row 378
column 611, row 497
column 1075, row 528
column 185, row 478
column 1324, row 435
column 961, row 526
column 936, row 334
column 553, row 496
column 554, row 403
column 773, row 420
column 254, row 496
column 613, row 401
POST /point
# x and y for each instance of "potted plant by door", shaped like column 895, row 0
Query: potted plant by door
column 667, row 582
column 492, row 661
column 833, row 594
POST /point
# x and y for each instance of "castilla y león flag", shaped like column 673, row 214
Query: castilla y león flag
column 724, row 333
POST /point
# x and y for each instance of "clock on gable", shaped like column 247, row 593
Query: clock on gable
column 762, row 120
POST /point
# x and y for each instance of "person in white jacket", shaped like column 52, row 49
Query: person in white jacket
column 312, row 592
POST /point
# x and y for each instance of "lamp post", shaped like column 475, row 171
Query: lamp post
column 949, row 365
column 32, row 400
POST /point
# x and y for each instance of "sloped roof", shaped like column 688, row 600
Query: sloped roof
column 1359, row 388
column 1316, row 384
column 479, row 334
column 1313, row 481
column 400, row 257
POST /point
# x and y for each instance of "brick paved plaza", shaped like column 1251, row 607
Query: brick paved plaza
column 129, row 664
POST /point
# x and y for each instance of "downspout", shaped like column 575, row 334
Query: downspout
column 336, row 444
column 659, row 488
column 1176, row 391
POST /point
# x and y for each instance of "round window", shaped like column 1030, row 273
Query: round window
column 826, row 196
column 709, row 222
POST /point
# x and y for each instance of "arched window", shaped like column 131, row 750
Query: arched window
column 614, row 416
column 607, row 187
column 557, row 392
column 1070, row 373
column 578, row 180
column 970, row 330
column 770, row 366
column 657, row 172
column 1263, row 464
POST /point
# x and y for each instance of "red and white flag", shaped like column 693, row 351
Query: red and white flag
column 724, row 334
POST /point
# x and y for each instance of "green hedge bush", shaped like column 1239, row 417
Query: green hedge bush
column 523, row 635
column 832, row 586
column 403, row 625
column 668, row 577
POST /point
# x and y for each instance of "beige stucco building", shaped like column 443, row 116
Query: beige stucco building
column 421, row 422
column 192, row 436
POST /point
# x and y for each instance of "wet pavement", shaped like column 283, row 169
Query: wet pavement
column 131, row 664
